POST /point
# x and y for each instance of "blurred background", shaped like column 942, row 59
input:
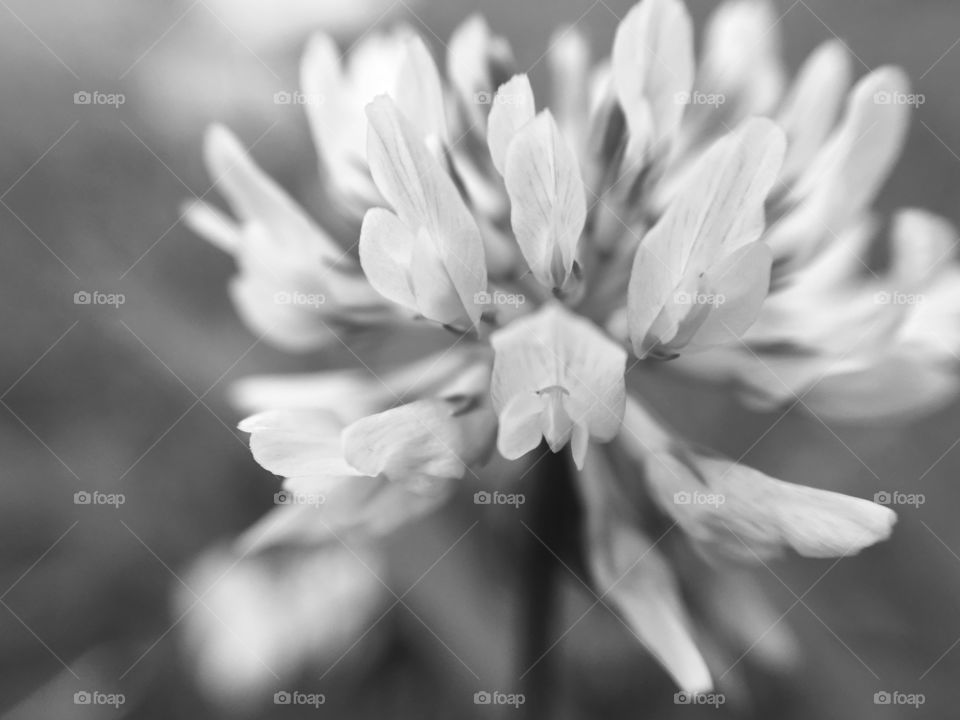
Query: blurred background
column 132, row 399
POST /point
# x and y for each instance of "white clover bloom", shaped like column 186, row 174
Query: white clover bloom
column 540, row 254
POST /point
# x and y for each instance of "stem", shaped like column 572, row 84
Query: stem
column 553, row 519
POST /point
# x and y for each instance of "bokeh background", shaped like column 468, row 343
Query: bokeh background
column 134, row 399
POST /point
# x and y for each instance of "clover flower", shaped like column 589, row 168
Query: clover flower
column 544, row 254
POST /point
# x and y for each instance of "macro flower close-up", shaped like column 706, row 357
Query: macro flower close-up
column 569, row 370
column 553, row 255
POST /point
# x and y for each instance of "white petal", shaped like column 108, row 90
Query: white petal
column 567, row 365
column 841, row 182
column 548, row 206
column 743, row 512
column 361, row 508
column 627, row 568
column 297, row 443
column 419, row 91
column 474, row 57
column 432, row 285
column 922, row 244
column 254, row 197
column 720, row 209
column 259, row 302
column 811, row 108
column 337, row 92
column 653, row 69
column 424, row 196
column 419, row 444
column 741, row 58
column 568, row 57
column 739, row 285
column 321, row 77
column 513, row 107
column 386, row 245
column 352, row 394
column 212, row 225
column 522, row 416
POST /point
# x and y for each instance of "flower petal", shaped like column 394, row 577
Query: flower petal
column 548, row 206
column 336, row 94
column 922, row 244
column 291, row 327
column 741, row 511
column 476, row 59
column 741, row 59
column 810, row 109
column 359, row 508
column 841, row 182
column 718, row 211
column 513, row 107
column 568, row 58
column 212, row 225
column 424, row 196
column 297, row 443
column 568, row 366
column 738, row 284
column 255, row 197
column 420, row 444
column 626, row 567
column 386, row 246
column 355, row 393
column 653, row 69
column 419, row 91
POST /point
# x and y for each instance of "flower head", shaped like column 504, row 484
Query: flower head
column 544, row 254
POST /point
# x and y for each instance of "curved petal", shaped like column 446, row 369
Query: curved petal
column 840, row 183
column 653, row 69
column 420, row 444
column 548, row 206
column 741, row 59
column 255, row 197
column 513, row 107
column 626, row 567
column 386, row 246
column 424, row 197
column 297, row 443
column 419, row 91
column 720, row 210
column 810, row 109
column 741, row 511
column 568, row 366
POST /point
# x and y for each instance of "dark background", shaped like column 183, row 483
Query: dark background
column 134, row 399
